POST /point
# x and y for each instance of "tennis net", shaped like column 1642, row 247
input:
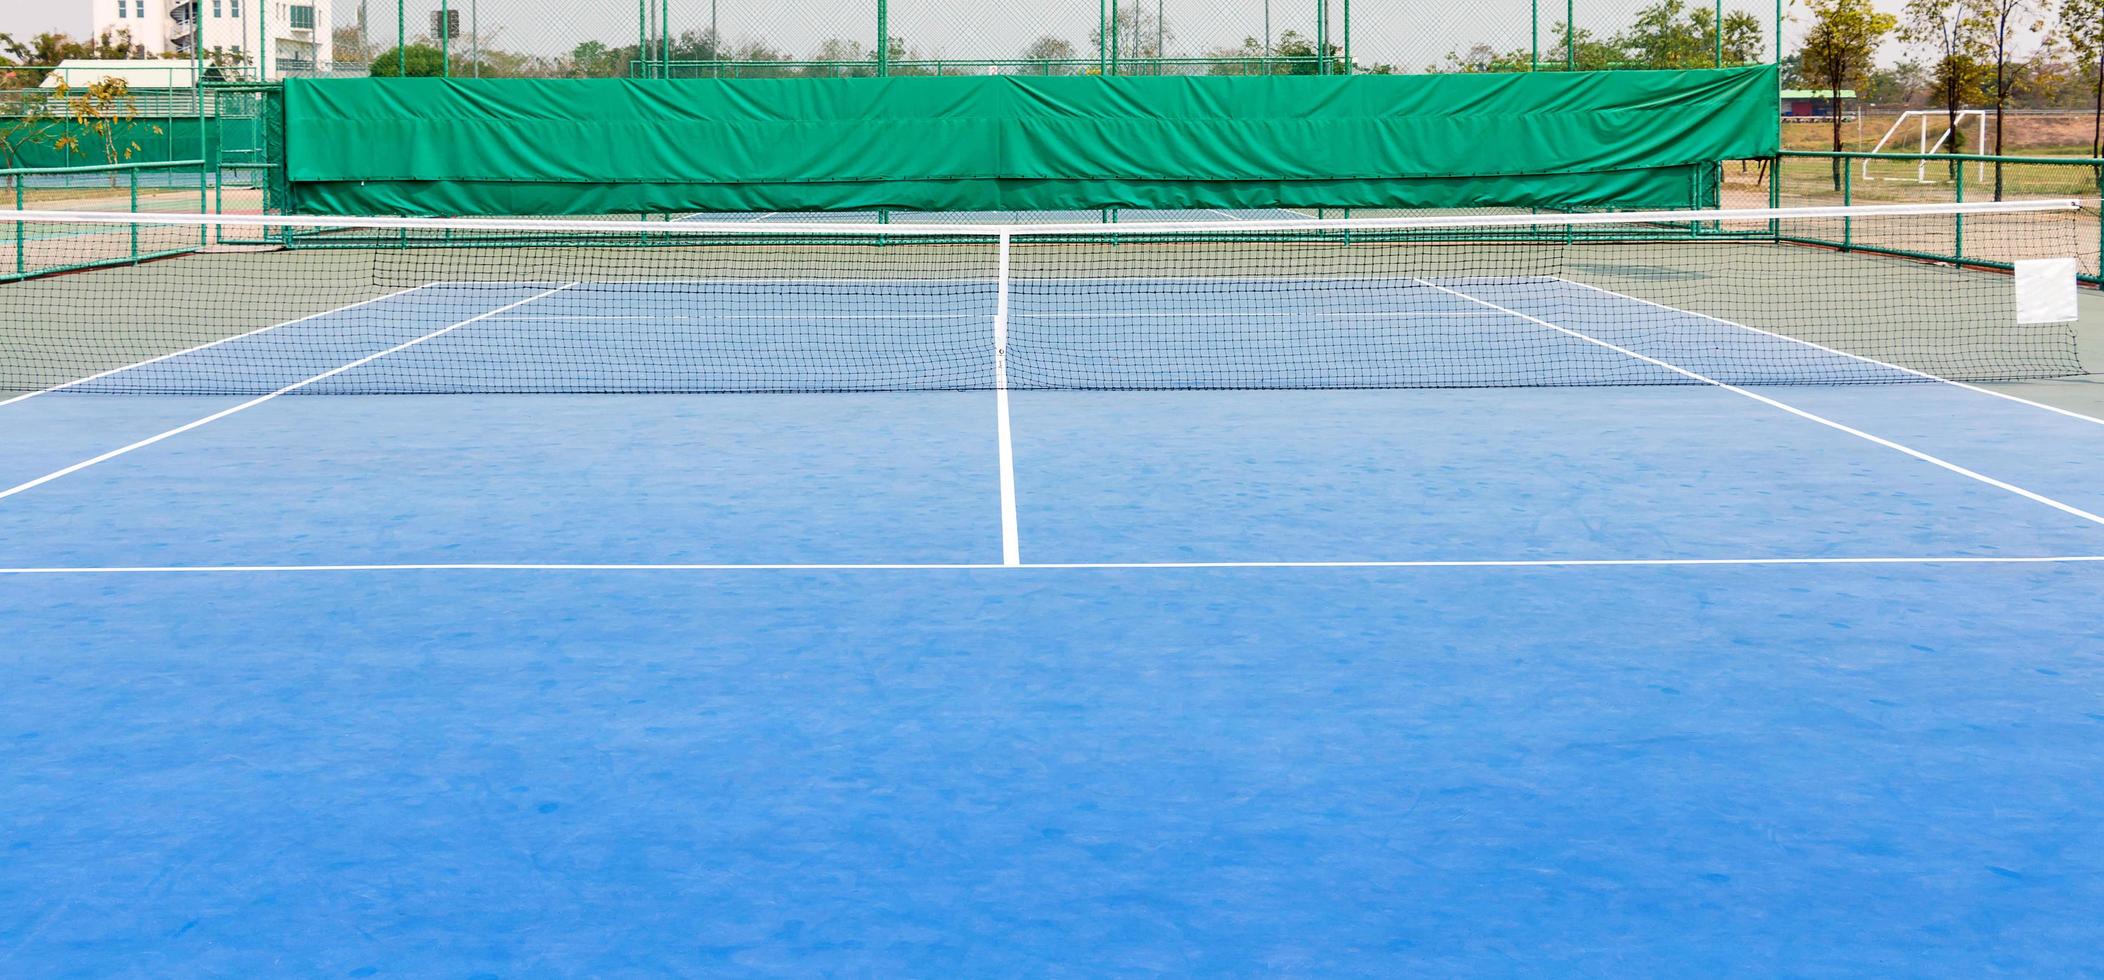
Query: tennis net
column 406, row 305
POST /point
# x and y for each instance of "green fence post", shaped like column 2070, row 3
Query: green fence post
column 1570, row 35
column 883, row 38
column 1958, row 220
column 1322, row 35
column 445, row 40
column 1114, row 32
column 1347, row 37
column 1534, row 34
column 134, row 174
column 21, row 230
column 1848, row 184
column 1102, row 38
column 1718, row 23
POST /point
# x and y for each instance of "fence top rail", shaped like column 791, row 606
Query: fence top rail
column 1953, row 157
column 1003, row 62
column 99, row 168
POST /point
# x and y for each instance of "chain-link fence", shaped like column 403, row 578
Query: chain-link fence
column 1819, row 178
column 835, row 38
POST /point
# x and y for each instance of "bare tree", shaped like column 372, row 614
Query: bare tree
column 1838, row 49
column 2082, row 27
column 2004, row 18
column 1955, row 33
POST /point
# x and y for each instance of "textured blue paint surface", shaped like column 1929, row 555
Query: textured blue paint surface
column 1792, row 769
column 1329, row 772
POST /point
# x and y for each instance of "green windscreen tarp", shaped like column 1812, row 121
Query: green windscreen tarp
column 585, row 146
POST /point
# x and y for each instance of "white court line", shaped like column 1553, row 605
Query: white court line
column 260, row 399
column 711, row 317
column 1525, row 563
column 1803, row 414
column 203, row 346
column 1011, row 547
column 1303, row 315
column 621, row 285
column 895, row 317
column 1830, row 350
column 1256, row 282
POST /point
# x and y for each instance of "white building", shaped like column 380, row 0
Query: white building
column 283, row 38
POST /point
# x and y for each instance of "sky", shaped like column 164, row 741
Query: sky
column 1410, row 35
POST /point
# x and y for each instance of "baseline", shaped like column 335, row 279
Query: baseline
column 1521, row 563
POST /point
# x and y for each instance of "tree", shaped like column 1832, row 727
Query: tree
column 1673, row 34
column 842, row 58
column 1056, row 54
column 414, row 61
column 1905, row 83
column 1304, row 59
column 1742, row 38
column 1482, row 57
column 2082, row 27
column 100, row 117
column 1247, row 59
column 1293, row 54
column 1838, row 49
column 1135, row 32
column 1953, row 32
column 1667, row 40
column 1667, row 35
column 597, row 59
column 47, row 49
column 349, row 44
column 2003, row 18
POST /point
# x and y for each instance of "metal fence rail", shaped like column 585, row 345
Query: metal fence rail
column 1814, row 177
column 127, row 188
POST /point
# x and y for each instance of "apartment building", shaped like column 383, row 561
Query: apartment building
column 270, row 38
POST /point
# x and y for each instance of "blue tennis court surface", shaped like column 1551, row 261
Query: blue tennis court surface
column 1677, row 670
